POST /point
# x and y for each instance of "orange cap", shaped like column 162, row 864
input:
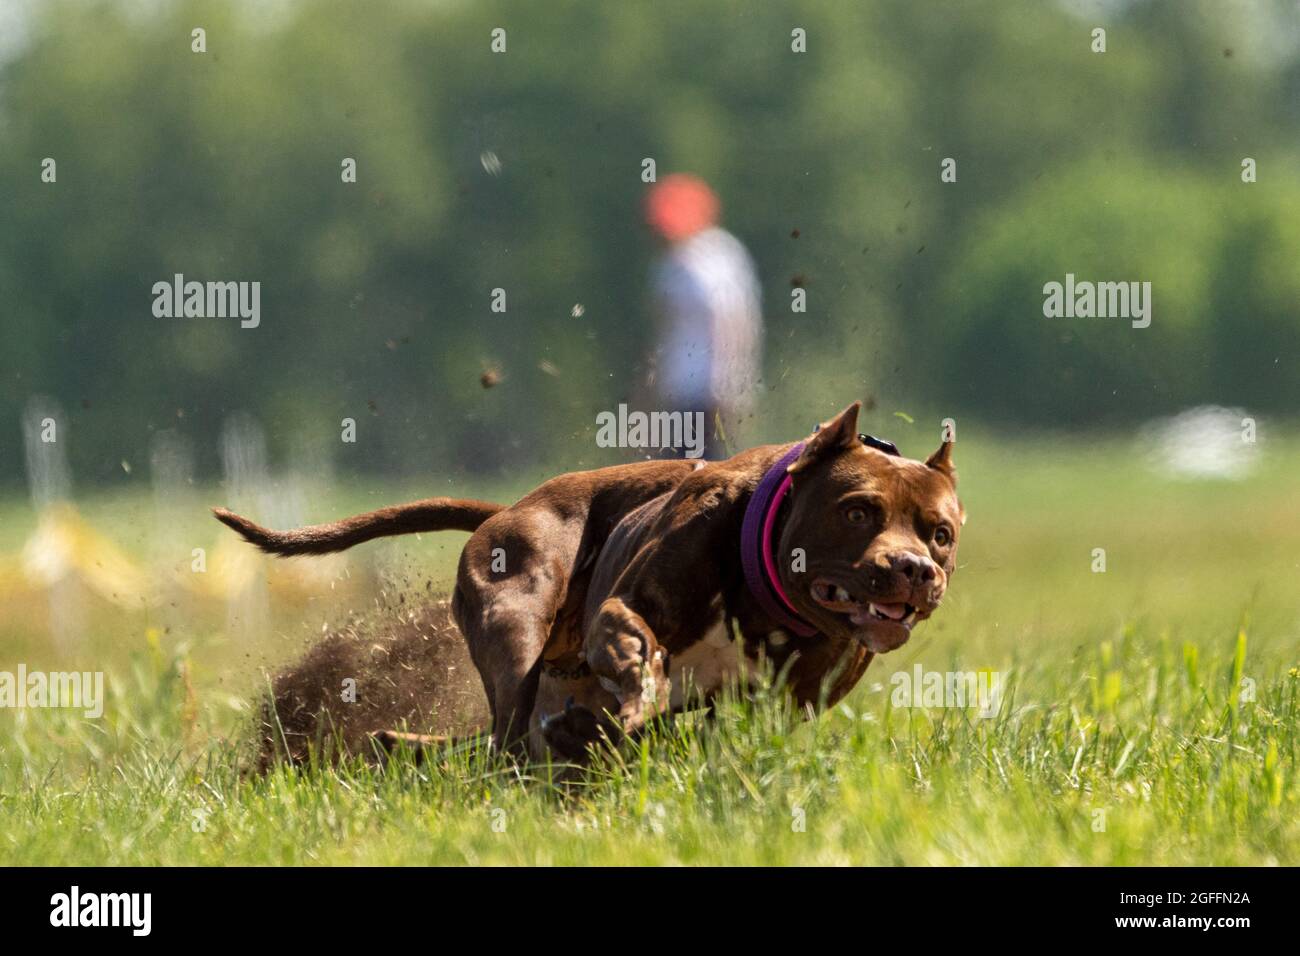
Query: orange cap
column 680, row 206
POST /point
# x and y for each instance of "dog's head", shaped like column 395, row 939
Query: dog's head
column 879, row 533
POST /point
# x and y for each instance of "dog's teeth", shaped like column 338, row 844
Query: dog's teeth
column 842, row 595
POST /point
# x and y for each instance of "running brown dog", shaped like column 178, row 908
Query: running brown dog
column 605, row 598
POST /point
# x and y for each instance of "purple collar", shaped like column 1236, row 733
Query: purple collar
column 756, row 556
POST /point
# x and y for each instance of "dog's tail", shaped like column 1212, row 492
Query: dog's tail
column 431, row 514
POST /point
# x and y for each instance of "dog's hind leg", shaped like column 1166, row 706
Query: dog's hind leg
column 517, row 663
column 506, row 616
column 421, row 746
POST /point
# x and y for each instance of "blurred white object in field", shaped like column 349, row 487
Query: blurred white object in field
column 1207, row 441
column 45, row 440
column 243, row 461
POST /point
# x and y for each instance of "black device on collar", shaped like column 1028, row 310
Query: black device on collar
column 871, row 441
column 879, row 444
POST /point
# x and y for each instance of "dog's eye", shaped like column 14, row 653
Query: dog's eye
column 856, row 515
column 942, row 537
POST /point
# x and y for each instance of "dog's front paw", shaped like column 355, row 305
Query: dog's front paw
column 570, row 732
column 648, row 695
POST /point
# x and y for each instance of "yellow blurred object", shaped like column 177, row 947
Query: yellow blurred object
column 64, row 545
column 13, row 579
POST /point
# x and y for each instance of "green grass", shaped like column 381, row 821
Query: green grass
column 1124, row 736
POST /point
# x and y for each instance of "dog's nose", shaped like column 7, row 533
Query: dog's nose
column 918, row 569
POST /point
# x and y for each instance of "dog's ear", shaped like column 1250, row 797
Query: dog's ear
column 941, row 460
column 831, row 438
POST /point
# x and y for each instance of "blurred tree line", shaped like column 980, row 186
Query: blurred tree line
column 522, row 170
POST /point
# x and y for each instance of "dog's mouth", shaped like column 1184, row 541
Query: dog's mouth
column 835, row 597
column 881, row 625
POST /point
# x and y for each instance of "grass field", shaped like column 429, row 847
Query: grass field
column 1150, row 716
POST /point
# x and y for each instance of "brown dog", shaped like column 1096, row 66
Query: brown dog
column 607, row 597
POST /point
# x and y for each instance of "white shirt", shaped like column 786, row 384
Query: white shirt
column 709, row 302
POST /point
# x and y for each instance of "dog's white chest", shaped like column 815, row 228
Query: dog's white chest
column 708, row 665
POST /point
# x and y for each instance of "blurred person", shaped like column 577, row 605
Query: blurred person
column 707, row 311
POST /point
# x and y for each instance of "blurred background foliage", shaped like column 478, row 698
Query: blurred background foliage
column 375, row 296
